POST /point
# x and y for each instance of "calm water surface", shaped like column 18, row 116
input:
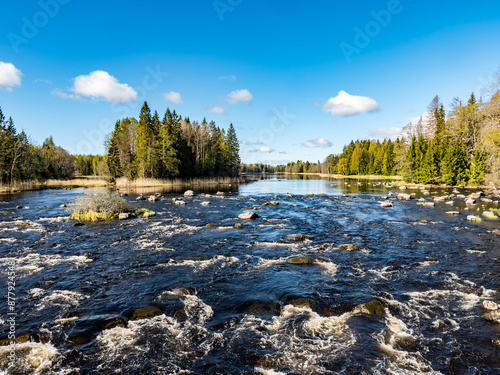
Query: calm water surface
column 167, row 295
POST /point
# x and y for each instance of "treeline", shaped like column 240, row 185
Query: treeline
column 461, row 147
column 20, row 160
column 171, row 147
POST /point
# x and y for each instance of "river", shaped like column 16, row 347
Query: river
column 168, row 295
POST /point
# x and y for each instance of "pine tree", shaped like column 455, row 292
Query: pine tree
column 477, row 169
column 233, row 148
column 143, row 135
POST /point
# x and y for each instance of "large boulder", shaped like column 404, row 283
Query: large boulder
column 189, row 193
column 489, row 305
column 404, row 197
column 248, row 216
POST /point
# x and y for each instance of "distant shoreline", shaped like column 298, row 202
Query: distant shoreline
column 101, row 182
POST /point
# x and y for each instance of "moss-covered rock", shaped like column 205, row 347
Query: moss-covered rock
column 145, row 313
column 371, row 308
column 301, row 261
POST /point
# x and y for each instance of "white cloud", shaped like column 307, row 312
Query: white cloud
column 320, row 142
column 232, row 77
column 63, row 95
column 46, row 81
column 391, row 133
column 266, row 149
column 173, row 97
column 345, row 104
column 216, row 109
column 101, row 85
column 251, row 143
column 10, row 76
column 239, row 96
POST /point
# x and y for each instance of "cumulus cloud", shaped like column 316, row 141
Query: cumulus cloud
column 345, row 104
column 239, row 96
column 100, row 85
column 392, row 132
column 232, row 77
column 10, row 76
column 320, row 142
column 173, row 97
column 63, row 95
column 216, row 109
column 266, row 149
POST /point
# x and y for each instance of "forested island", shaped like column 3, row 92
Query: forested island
column 461, row 147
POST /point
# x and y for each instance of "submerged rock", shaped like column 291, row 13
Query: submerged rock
column 301, row 261
column 370, row 308
column 146, row 312
column 349, row 247
column 248, row 216
column 210, row 225
column 298, row 237
column 239, row 226
column 302, row 302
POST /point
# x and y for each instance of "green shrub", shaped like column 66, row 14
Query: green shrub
column 98, row 205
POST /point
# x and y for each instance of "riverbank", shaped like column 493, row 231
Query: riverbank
column 96, row 181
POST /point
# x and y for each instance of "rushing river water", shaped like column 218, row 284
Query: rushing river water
column 168, row 295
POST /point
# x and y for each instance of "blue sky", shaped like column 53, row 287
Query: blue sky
column 297, row 79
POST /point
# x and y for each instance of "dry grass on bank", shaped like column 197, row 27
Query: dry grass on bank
column 152, row 182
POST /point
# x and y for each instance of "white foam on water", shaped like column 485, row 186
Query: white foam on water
column 32, row 357
column 382, row 273
column 57, row 219
column 63, row 298
column 199, row 265
column 472, row 251
column 264, row 371
column 196, row 309
column 300, row 338
column 34, row 262
column 427, row 263
column 400, row 361
column 8, row 239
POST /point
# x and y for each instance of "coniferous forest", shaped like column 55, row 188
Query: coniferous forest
column 172, row 147
column 455, row 148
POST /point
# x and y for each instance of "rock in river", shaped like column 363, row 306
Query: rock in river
column 124, row 216
column 248, row 216
column 349, row 247
column 297, row 237
column 153, row 198
column 146, row 312
column 489, row 305
column 492, row 316
column 386, row 204
column 404, row 197
column 301, row 261
column 205, row 203
column 189, row 193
